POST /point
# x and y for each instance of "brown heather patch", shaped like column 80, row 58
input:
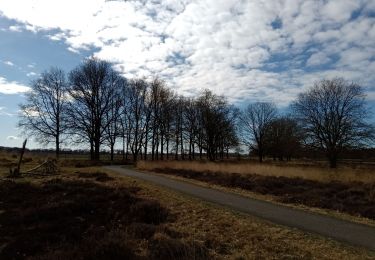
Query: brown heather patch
column 193, row 229
column 76, row 216
column 354, row 198
column 230, row 235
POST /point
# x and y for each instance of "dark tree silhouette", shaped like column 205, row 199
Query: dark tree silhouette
column 255, row 121
column 333, row 115
column 43, row 116
column 112, row 116
column 216, row 124
column 284, row 138
column 191, row 121
column 93, row 87
column 136, row 111
column 159, row 106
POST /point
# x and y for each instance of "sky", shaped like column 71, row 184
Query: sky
column 247, row 50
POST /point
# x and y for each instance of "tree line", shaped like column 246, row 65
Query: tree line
column 94, row 105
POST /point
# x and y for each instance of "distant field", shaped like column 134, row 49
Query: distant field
column 33, row 159
column 355, row 173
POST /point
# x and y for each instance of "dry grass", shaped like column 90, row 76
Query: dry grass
column 273, row 199
column 196, row 226
column 226, row 234
column 10, row 160
column 349, row 198
column 230, row 235
column 342, row 174
column 86, row 215
column 31, row 160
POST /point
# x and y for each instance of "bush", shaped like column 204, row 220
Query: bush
column 98, row 176
column 74, row 219
column 163, row 247
column 27, row 159
column 150, row 212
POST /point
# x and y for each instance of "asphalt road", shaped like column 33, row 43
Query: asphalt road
column 344, row 231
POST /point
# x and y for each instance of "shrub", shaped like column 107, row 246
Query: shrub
column 150, row 212
column 163, row 247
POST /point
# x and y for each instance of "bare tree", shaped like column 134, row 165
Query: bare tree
column 44, row 114
column 255, row 120
column 154, row 105
column 161, row 100
column 93, row 86
column 333, row 115
column 112, row 116
column 191, row 114
column 136, row 113
column 178, row 123
column 217, row 130
column 284, row 138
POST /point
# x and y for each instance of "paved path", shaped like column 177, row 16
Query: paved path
column 348, row 232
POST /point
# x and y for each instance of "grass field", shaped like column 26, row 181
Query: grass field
column 86, row 213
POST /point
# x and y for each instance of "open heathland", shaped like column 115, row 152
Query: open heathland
column 90, row 213
column 354, row 198
column 81, row 218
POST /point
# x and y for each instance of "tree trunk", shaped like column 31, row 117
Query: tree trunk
column 57, row 147
column 157, row 146
column 112, row 151
column 190, row 149
column 162, row 146
column 127, row 148
column 97, row 150
column 123, row 147
column 146, row 144
column 332, row 160
column 193, row 150
column 177, row 143
column 260, row 154
column 168, row 148
column 91, row 149
column 182, row 145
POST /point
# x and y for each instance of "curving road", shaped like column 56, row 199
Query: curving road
column 344, row 231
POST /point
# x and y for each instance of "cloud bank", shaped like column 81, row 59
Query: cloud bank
column 12, row 137
column 11, row 87
column 246, row 50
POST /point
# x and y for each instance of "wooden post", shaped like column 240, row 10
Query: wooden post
column 18, row 170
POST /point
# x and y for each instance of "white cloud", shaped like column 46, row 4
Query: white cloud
column 317, row 59
column 3, row 112
column 340, row 10
column 9, row 63
column 15, row 28
column 12, row 137
column 11, row 87
column 74, row 50
column 31, row 74
column 222, row 45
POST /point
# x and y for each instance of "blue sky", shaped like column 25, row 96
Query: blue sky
column 253, row 50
